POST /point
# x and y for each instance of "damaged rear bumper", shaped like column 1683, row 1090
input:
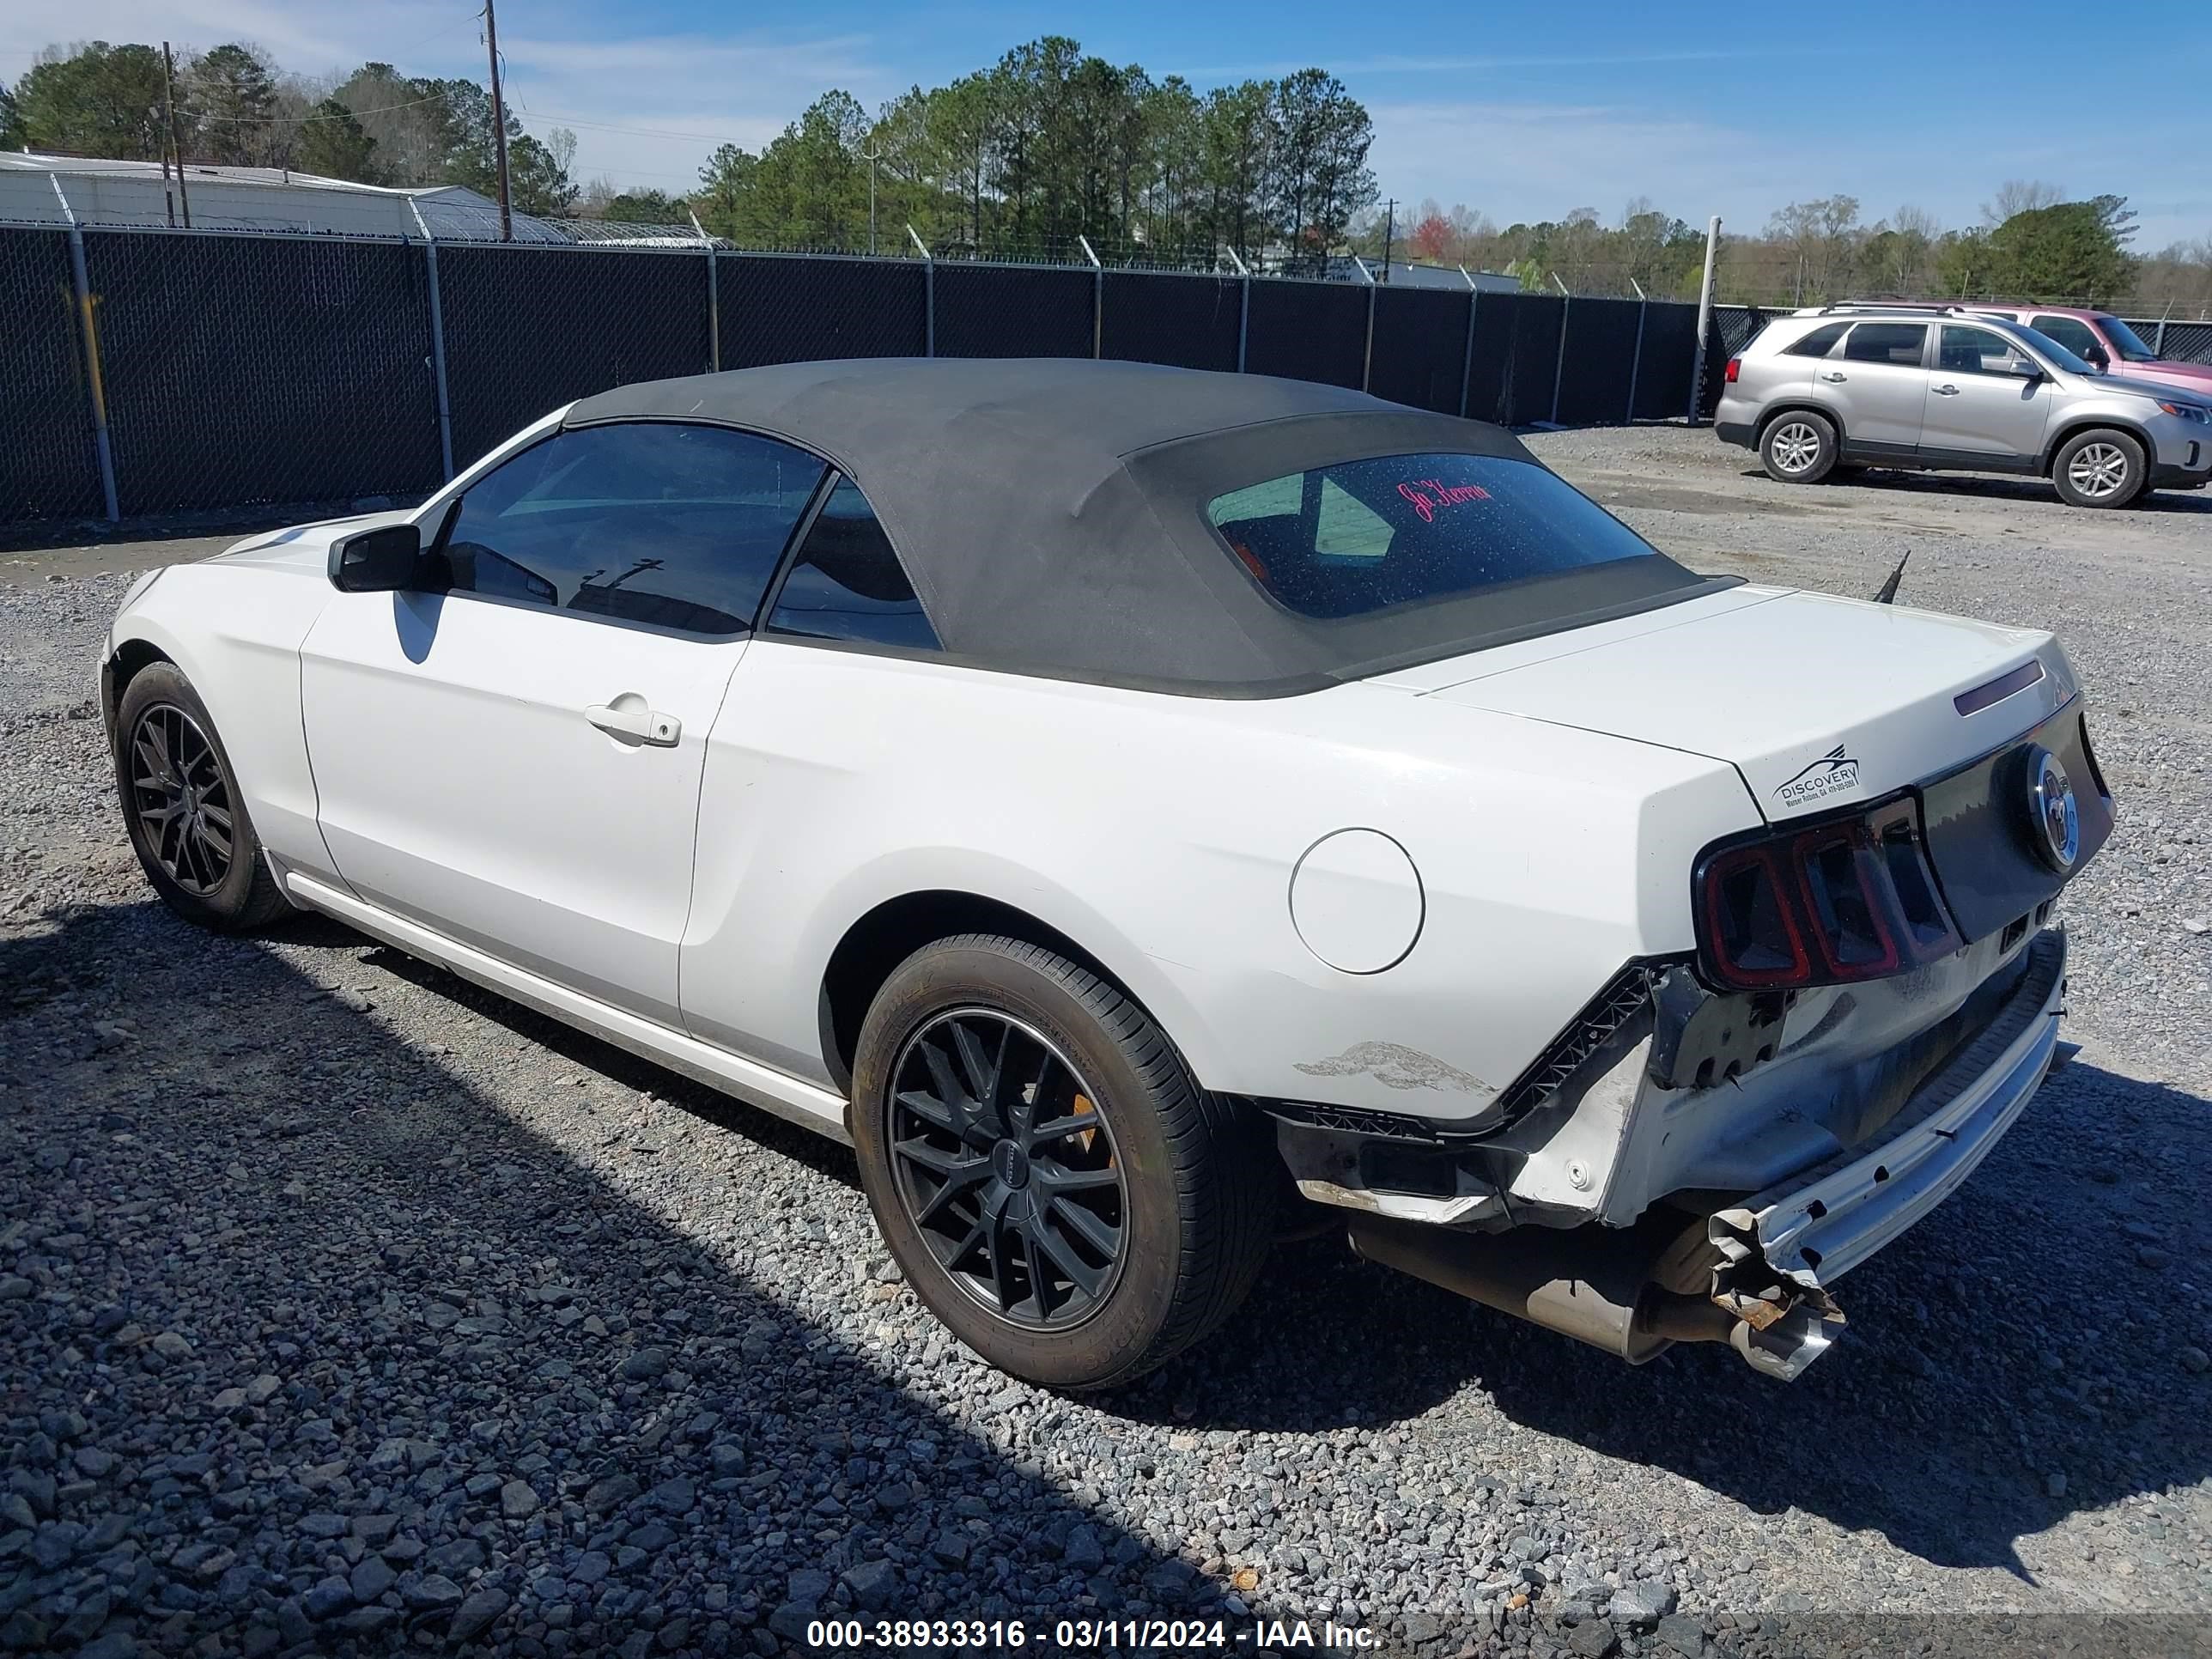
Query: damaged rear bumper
column 1756, row 1274
column 1780, row 1249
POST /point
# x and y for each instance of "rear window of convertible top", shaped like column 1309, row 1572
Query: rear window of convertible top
column 1365, row 536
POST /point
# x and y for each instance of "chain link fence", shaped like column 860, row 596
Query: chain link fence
column 1420, row 355
column 1667, row 363
column 1187, row 322
column 243, row 371
column 1014, row 311
column 1307, row 330
column 1489, row 356
column 2183, row 343
column 1533, row 362
column 1598, row 358
column 49, row 466
column 188, row 370
column 775, row 308
column 528, row 329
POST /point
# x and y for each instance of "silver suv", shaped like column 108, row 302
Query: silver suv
column 1939, row 389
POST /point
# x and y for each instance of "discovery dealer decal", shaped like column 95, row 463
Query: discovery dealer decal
column 1834, row 773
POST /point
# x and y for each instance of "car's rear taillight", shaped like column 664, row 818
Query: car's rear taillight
column 1735, row 367
column 1842, row 898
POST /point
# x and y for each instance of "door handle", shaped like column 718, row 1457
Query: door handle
column 643, row 725
column 1830, row 374
column 1945, row 390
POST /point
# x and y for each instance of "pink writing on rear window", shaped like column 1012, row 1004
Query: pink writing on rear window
column 1427, row 494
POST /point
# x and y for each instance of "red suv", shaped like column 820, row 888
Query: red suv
column 2106, row 342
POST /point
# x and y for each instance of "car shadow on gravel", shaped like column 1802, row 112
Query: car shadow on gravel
column 710, row 1107
column 1968, row 1339
column 315, row 1345
column 2022, row 1356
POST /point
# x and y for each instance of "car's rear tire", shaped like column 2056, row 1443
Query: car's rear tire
column 181, row 804
column 2101, row 467
column 1798, row 448
column 1011, row 1108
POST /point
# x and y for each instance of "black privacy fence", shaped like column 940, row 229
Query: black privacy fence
column 152, row 371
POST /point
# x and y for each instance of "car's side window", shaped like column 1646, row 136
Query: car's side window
column 846, row 581
column 654, row 523
column 1898, row 343
column 1965, row 350
column 1819, row 342
column 2076, row 336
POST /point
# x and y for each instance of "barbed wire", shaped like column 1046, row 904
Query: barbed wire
column 469, row 224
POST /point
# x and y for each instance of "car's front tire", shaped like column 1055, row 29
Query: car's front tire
column 1798, row 448
column 1048, row 1175
column 181, row 804
column 2099, row 468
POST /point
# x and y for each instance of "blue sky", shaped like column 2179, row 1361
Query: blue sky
column 1519, row 111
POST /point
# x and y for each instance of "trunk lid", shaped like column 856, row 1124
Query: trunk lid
column 1816, row 700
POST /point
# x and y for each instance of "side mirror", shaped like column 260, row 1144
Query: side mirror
column 379, row 561
column 2024, row 369
column 2098, row 355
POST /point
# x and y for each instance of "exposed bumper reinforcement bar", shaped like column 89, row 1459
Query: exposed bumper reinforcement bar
column 1782, row 1247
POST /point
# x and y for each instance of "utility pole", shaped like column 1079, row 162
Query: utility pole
column 1389, row 233
column 498, row 124
column 872, row 155
column 1704, row 320
column 169, row 107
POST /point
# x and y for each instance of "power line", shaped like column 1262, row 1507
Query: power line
column 437, row 34
column 690, row 180
column 604, row 127
column 301, row 120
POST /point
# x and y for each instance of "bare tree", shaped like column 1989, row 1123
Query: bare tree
column 1900, row 253
column 1641, row 243
column 2021, row 195
column 1821, row 234
column 1910, row 220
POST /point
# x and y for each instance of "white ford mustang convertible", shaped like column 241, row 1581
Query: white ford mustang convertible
column 1146, row 812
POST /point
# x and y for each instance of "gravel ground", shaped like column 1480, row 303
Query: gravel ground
column 344, row 1308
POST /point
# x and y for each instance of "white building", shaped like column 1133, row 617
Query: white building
column 32, row 189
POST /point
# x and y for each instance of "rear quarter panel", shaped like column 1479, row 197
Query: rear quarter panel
column 1160, row 833
column 1765, row 380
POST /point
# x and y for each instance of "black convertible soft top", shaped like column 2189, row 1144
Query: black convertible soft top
column 1052, row 512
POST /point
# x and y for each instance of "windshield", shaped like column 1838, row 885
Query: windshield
column 2126, row 341
column 1359, row 536
column 2056, row 351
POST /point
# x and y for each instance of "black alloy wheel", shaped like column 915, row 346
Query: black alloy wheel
column 186, row 814
column 181, row 799
column 1048, row 1177
column 1007, row 1169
